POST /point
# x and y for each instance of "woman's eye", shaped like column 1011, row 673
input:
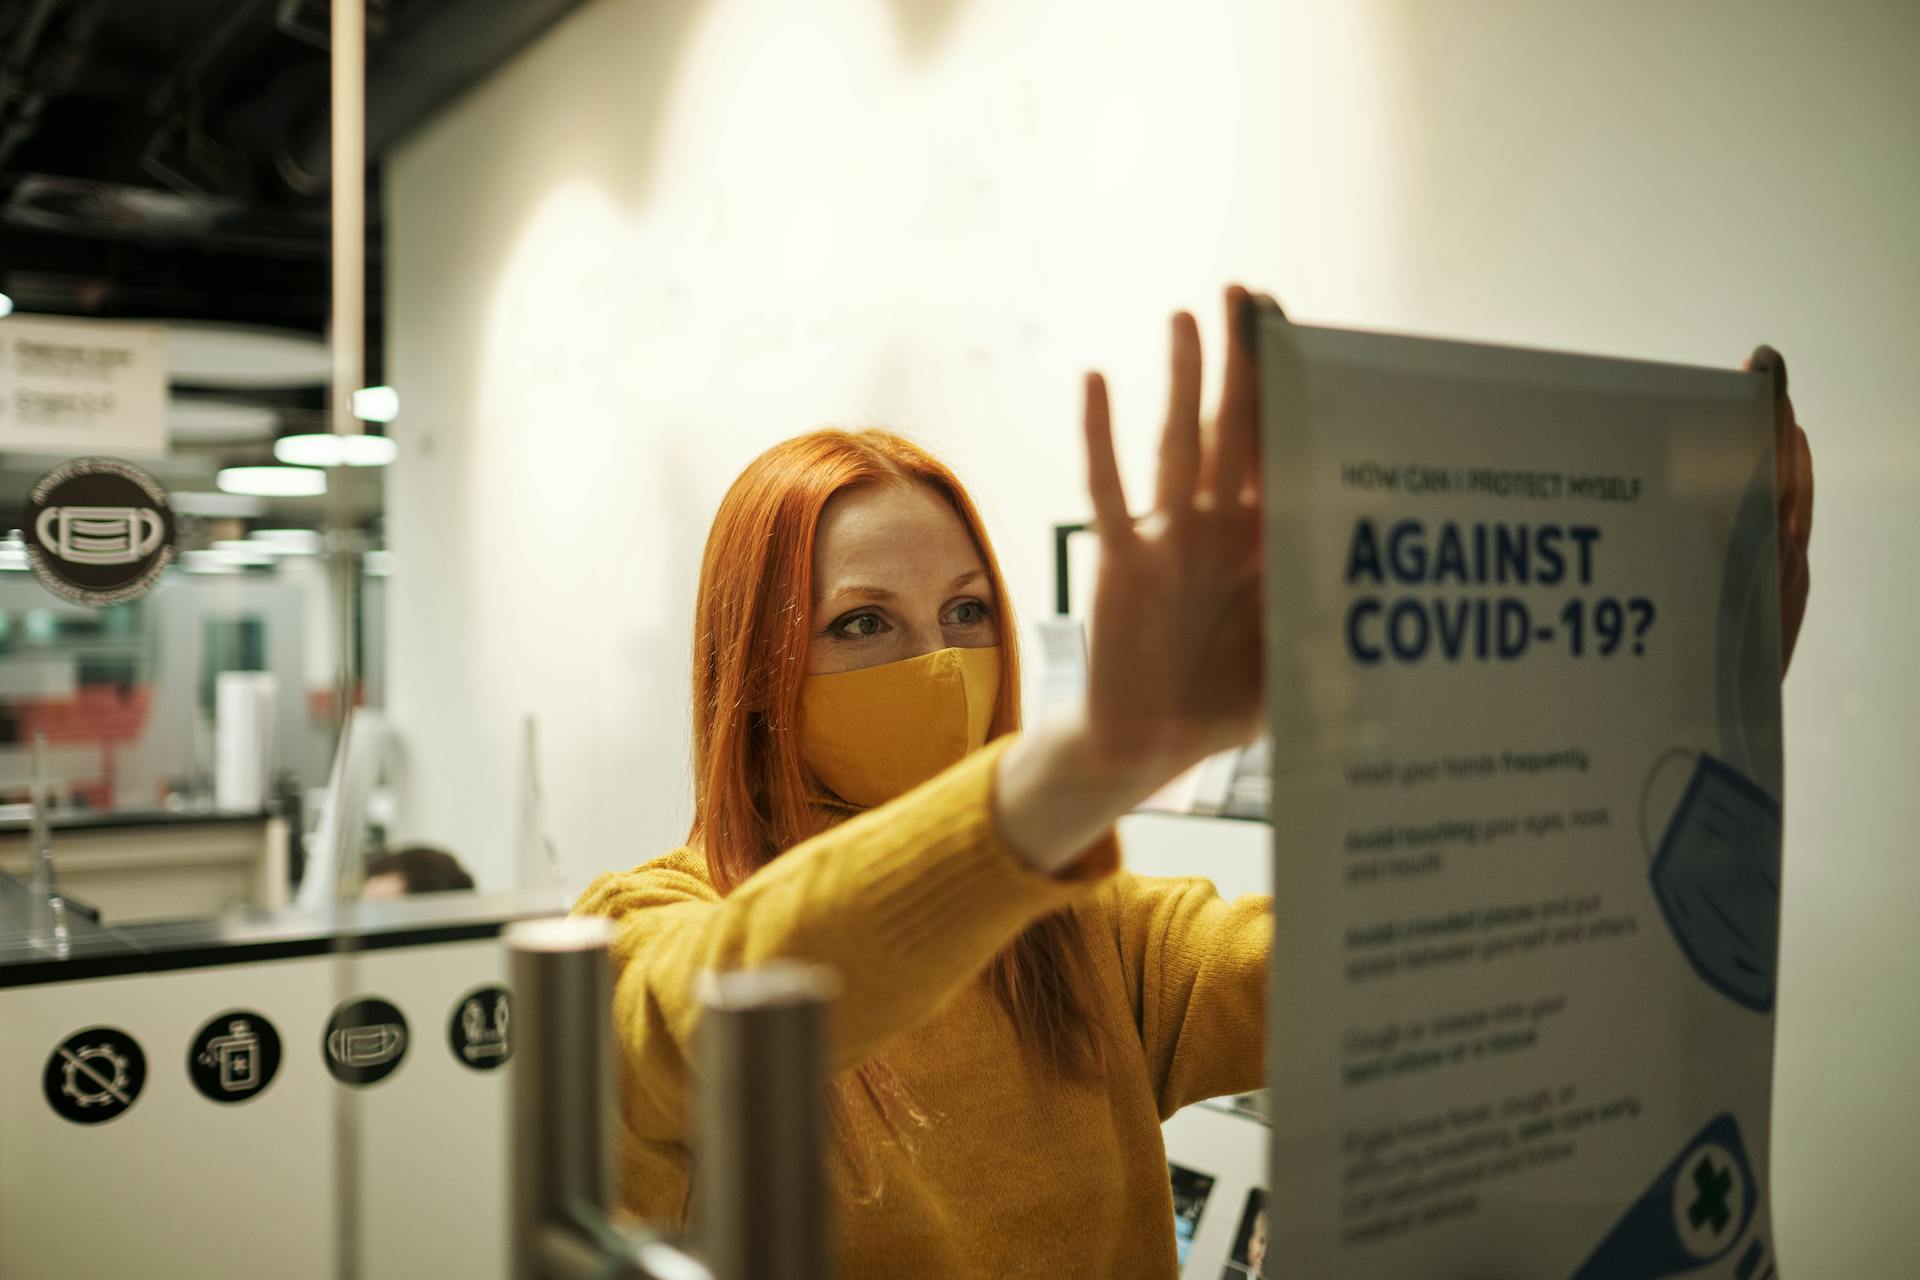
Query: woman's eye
column 860, row 625
column 970, row 613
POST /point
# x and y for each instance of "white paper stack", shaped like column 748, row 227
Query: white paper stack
column 242, row 739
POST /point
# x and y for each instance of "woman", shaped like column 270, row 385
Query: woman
column 1018, row 1015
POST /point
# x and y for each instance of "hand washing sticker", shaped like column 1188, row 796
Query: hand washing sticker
column 234, row 1057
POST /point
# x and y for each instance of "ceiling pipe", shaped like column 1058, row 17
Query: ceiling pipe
column 21, row 51
column 59, row 64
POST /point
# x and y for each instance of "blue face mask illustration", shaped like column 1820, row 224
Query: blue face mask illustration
column 1716, row 876
column 1694, row 1214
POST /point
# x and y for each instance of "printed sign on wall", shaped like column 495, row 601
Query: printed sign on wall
column 1525, row 704
column 82, row 386
column 99, row 531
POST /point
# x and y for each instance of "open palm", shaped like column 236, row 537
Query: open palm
column 1175, row 666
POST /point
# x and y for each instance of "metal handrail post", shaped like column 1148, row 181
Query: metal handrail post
column 761, row 1202
column 761, row 1205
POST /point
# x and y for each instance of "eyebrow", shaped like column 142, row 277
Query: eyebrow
column 881, row 593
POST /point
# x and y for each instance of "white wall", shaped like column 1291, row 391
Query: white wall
column 673, row 233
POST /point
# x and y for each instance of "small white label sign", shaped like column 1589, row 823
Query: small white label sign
column 73, row 386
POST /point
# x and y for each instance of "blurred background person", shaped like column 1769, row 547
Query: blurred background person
column 415, row 868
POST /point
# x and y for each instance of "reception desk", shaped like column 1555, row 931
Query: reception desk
column 259, row 1093
column 159, row 865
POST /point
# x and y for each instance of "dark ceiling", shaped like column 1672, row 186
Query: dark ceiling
column 168, row 158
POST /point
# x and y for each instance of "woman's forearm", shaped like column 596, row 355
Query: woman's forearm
column 1056, row 792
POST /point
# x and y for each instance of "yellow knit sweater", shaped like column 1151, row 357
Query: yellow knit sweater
column 1016, row 1173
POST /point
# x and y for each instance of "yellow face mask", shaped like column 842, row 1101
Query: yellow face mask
column 879, row 732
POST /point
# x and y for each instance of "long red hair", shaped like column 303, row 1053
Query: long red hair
column 751, row 625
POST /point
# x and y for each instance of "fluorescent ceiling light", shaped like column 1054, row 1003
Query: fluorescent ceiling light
column 204, row 353
column 224, row 506
column 243, row 551
column 327, row 449
column 379, row 564
column 6, row 305
column 289, row 542
column 201, row 420
column 208, row 562
column 376, row 404
column 273, row 482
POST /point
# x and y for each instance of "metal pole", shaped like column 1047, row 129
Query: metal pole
column 562, row 1081
column 347, row 338
column 349, row 142
column 347, row 105
column 49, row 908
column 761, row 1208
column 42, row 838
column 762, row 1202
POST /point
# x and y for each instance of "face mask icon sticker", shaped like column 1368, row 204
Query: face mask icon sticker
column 98, row 531
column 1692, row 1216
column 99, row 535
column 1716, row 876
column 234, row 1057
column 94, row 1075
column 478, row 1028
column 364, row 1042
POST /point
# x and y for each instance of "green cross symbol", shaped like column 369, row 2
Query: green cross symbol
column 1710, row 1205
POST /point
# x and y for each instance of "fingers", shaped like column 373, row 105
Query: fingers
column 1803, row 488
column 1794, row 583
column 1786, row 468
column 1796, row 531
column 1180, row 441
column 1103, row 470
column 1236, row 432
column 1770, row 362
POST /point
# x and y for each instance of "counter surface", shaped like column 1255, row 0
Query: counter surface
column 98, row 951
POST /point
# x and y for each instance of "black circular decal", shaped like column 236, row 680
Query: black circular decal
column 235, row 1056
column 95, row 1075
column 365, row 1041
column 478, row 1028
column 98, row 531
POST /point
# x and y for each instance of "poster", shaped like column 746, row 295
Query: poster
column 1190, row 1191
column 1248, row 1261
column 1523, row 679
column 75, row 386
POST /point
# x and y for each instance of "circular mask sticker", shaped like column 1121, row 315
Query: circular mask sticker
column 364, row 1041
column 234, row 1057
column 478, row 1028
column 98, row 531
column 95, row 1075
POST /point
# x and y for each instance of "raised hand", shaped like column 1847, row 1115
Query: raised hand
column 1793, row 488
column 1175, row 668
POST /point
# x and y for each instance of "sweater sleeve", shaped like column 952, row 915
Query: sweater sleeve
column 1196, row 972
column 906, row 903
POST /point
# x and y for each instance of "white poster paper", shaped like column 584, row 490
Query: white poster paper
column 1524, row 690
column 71, row 387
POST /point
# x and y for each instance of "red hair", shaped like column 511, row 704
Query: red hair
column 751, row 626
